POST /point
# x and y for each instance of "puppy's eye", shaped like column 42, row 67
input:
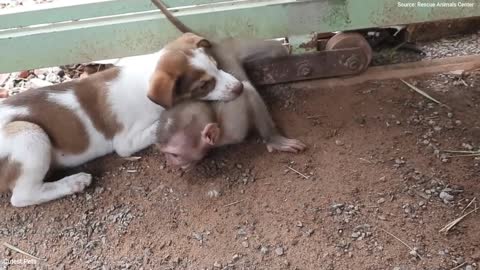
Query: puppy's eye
column 203, row 85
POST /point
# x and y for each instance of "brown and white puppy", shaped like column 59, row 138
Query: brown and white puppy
column 190, row 129
column 116, row 110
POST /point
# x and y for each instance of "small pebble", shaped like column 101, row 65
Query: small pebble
column 213, row 193
column 236, row 257
column 445, row 196
column 413, row 252
column 309, row 232
column 279, row 251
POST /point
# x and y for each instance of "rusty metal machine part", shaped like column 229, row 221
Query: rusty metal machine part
column 350, row 40
column 345, row 54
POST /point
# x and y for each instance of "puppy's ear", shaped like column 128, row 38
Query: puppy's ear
column 162, row 89
column 211, row 133
column 204, row 43
column 197, row 41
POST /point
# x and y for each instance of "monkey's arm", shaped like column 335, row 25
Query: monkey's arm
column 264, row 124
column 252, row 49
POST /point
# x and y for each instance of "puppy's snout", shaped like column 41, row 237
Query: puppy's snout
column 238, row 89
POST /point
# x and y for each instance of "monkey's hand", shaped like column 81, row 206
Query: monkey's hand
column 284, row 144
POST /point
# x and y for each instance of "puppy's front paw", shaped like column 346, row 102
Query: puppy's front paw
column 284, row 144
column 79, row 182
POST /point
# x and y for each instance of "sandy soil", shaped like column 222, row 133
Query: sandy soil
column 374, row 166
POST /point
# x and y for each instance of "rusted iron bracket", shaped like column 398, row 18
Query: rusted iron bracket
column 307, row 66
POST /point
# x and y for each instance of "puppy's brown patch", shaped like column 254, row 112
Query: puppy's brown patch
column 64, row 128
column 195, row 84
column 92, row 95
column 9, row 172
column 164, row 79
column 175, row 80
column 187, row 42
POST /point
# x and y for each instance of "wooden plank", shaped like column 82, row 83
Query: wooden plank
column 143, row 32
column 85, row 9
column 399, row 71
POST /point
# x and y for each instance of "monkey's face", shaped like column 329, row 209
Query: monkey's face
column 185, row 149
column 184, row 157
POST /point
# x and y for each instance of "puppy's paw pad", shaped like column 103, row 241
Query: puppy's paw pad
column 80, row 181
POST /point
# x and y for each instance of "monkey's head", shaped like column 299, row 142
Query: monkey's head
column 186, row 133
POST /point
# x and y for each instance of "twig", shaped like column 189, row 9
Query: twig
column 458, row 266
column 315, row 116
column 421, row 92
column 297, row 172
column 405, row 244
column 468, row 205
column 233, row 203
column 464, row 155
column 456, row 221
column 462, row 151
column 133, row 158
column 366, row 160
column 21, row 251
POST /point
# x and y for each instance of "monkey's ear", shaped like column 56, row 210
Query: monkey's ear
column 211, row 133
column 162, row 89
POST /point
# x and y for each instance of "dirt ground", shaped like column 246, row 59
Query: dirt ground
column 374, row 170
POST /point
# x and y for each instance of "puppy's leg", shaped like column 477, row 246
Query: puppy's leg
column 30, row 147
column 266, row 127
column 135, row 140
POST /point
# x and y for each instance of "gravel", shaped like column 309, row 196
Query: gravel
column 446, row 47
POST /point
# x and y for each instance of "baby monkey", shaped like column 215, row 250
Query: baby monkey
column 190, row 129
